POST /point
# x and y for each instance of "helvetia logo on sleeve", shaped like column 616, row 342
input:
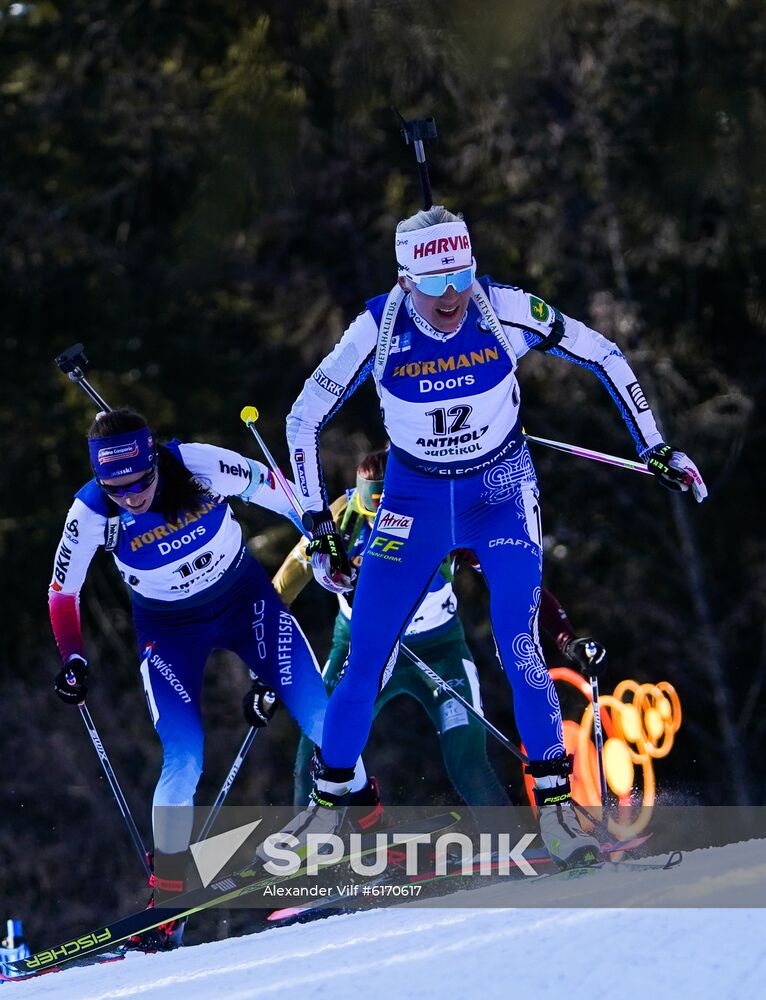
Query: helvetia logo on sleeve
column 233, row 470
column 398, row 525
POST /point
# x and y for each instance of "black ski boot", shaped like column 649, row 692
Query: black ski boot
column 171, row 880
column 365, row 810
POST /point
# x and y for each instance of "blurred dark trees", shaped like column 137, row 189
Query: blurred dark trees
column 205, row 197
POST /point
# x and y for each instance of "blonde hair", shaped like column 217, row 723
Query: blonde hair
column 426, row 217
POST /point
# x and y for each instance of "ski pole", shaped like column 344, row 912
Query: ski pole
column 229, row 780
column 596, row 456
column 439, row 682
column 448, row 689
column 249, row 415
column 73, row 363
column 418, row 131
column 115, row 786
column 598, row 733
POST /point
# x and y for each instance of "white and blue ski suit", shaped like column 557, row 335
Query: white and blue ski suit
column 194, row 588
column 459, row 476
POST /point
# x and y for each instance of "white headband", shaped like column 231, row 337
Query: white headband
column 421, row 251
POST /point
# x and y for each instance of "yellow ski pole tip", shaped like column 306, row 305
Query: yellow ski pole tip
column 248, row 414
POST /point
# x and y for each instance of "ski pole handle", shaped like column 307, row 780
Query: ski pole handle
column 73, row 363
column 419, row 131
column 249, row 415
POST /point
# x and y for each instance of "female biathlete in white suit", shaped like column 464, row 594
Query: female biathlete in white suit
column 162, row 512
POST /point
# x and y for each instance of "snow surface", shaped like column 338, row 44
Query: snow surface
column 646, row 950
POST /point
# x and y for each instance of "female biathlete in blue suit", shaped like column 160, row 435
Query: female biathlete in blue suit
column 162, row 512
column 435, row 634
column 443, row 349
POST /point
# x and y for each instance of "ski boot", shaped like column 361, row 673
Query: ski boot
column 172, row 880
column 568, row 844
column 365, row 810
column 327, row 806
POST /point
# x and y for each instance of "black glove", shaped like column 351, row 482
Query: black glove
column 676, row 471
column 71, row 683
column 259, row 704
column 329, row 561
column 588, row 655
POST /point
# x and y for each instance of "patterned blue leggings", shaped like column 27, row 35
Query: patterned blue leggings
column 422, row 518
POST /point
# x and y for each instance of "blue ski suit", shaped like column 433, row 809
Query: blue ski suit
column 459, row 475
column 194, row 588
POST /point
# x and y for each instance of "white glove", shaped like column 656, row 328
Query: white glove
column 337, row 583
column 688, row 469
column 676, row 471
column 329, row 560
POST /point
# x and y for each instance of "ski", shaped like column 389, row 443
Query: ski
column 100, row 958
column 222, row 891
column 574, row 872
column 673, row 860
column 632, row 844
column 537, row 858
column 334, row 902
